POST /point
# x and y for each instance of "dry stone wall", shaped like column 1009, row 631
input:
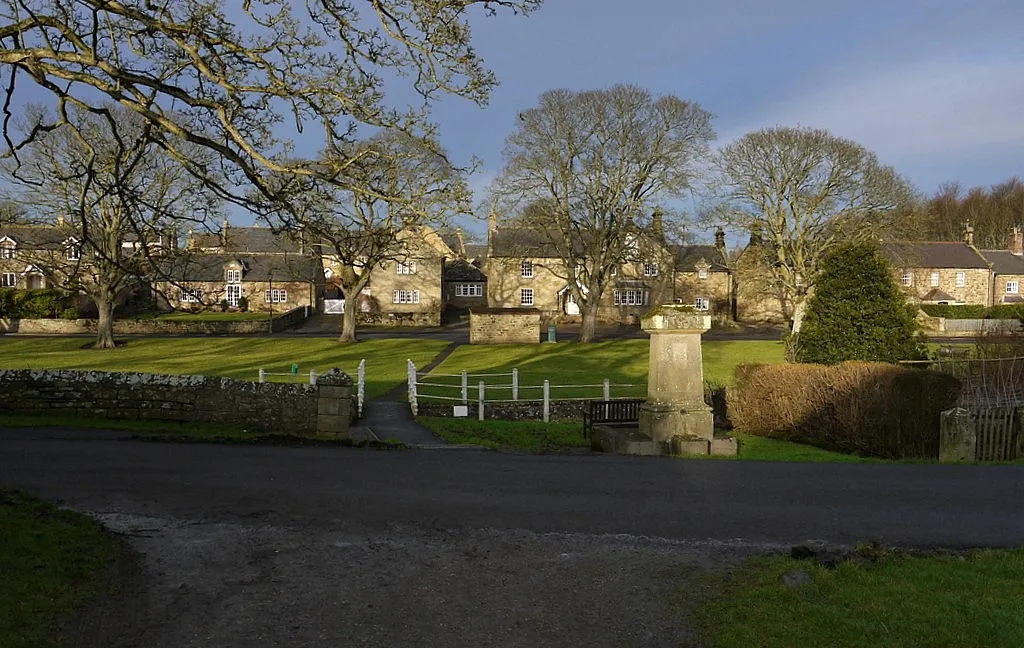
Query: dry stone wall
column 504, row 327
column 283, row 322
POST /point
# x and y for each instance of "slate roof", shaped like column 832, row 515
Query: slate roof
column 936, row 295
column 1005, row 262
column 247, row 240
column 933, row 254
column 476, row 250
column 258, row 267
column 36, row 237
column 462, row 270
column 688, row 256
column 523, row 242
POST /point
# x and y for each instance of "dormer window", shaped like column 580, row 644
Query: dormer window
column 702, row 270
column 7, row 247
column 233, row 276
column 405, row 267
column 72, row 250
column 650, row 269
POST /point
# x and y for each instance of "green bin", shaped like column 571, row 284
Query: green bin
column 552, row 334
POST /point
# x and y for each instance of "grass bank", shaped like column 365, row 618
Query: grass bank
column 53, row 563
column 971, row 600
column 239, row 358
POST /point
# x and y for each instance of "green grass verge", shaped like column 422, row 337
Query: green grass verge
column 970, row 600
column 53, row 562
column 534, row 436
column 755, row 448
column 570, row 363
column 239, row 358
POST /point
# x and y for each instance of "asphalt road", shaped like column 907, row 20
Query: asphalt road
column 252, row 546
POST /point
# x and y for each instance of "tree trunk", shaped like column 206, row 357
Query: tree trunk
column 105, row 325
column 799, row 310
column 588, row 323
column 348, row 319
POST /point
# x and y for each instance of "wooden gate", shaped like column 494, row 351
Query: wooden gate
column 999, row 434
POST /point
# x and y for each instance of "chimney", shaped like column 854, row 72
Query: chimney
column 755, row 235
column 968, row 233
column 1017, row 241
column 492, row 228
column 658, row 224
column 224, row 234
column 60, row 220
column 720, row 240
column 462, row 243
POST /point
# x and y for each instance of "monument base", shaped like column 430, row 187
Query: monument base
column 663, row 421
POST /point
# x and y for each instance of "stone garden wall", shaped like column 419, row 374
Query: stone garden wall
column 298, row 409
column 431, row 318
column 512, row 326
column 283, row 322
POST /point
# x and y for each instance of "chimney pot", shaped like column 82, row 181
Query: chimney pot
column 1017, row 241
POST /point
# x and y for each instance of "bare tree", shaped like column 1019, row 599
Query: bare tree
column 114, row 198
column 383, row 205
column 805, row 191
column 199, row 75
column 593, row 166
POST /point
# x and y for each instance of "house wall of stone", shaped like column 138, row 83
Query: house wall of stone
column 298, row 293
column 452, row 300
column 758, row 299
column 504, row 283
column 977, row 288
column 427, row 280
column 999, row 287
column 717, row 288
column 507, row 327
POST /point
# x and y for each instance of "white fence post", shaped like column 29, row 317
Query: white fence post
column 547, row 401
column 607, row 389
column 263, row 375
column 312, row 376
column 515, row 384
column 480, row 413
column 412, row 389
column 465, row 387
column 361, row 387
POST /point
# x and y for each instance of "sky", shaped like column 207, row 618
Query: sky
column 934, row 87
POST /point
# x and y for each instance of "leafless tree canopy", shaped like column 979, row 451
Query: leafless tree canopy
column 593, row 166
column 992, row 211
column 805, row 191
column 225, row 81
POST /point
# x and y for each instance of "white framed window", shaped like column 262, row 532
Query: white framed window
column 191, row 295
column 405, row 267
column 8, row 280
column 469, row 290
column 73, row 252
column 935, row 279
column 650, row 269
column 526, row 297
column 526, row 269
column 798, row 279
column 405, row 297
column 702, row 303
column 908, row 277
column 234, row 293
column 7, row 249
column 630, row 297
column 961, row 279
column 233, row 276
column 1012, row 287
column 702, row 272
column 275, row 296
column 614, row 271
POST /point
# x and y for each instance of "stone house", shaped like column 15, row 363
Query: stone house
column 703, row 277
column 25, row 250
column 465, row 285
column 1008, row 270
column 941, row 272
column 757, row 297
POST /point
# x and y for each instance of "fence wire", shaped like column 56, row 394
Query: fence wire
column 985, row 382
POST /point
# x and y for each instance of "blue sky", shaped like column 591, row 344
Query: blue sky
column 935, row 88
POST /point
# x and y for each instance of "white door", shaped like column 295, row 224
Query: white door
column 571, row 307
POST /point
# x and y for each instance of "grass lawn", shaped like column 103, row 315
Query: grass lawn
column 239, row 358
column 53, row 562
column 570, row 363
column 970, row 600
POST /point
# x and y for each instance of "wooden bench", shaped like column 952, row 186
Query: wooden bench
column 623, row 410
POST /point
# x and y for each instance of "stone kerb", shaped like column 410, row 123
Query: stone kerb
column 334, row 403
column 675, row 412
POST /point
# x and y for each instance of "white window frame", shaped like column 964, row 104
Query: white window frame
column 526, row 296
column 191, row 296
column 275, row 296
column 405, row 267
column 73, row 252
column 908, row 277
column 1013, row 287
column 233, row 293
column 630, row 297
column 469, row 290
column 935, row 279
column 650, row 269
column 405, row 297
column 961, row 279
column 702, row 303
column 526, row 269
column 8, row 280
column 8, row 249
column 233, row 276
column 702, row 273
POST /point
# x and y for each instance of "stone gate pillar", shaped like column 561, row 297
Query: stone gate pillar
column 675, row 380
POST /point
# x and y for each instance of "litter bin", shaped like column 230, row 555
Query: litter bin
column 552, row 334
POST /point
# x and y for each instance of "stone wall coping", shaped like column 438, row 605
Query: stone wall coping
column 334, row 377
column 671, row 318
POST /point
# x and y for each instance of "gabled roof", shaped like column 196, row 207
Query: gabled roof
column 247, row 240
column 462, row 270
column 476, row 250
column 1005, row 262
column 688, row 256
column 36, row 237
column 933, row 254
column 936, row 295
column 524, row 242
column 258, row 267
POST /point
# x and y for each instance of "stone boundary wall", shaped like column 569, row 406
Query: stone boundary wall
column 286, row 321
column 279, row 408
column 432, row 318
column 504, row 327
column 526, row 410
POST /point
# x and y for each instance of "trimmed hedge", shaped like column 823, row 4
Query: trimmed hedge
column 31, row 304
column 866, row 408
column 968, row 311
